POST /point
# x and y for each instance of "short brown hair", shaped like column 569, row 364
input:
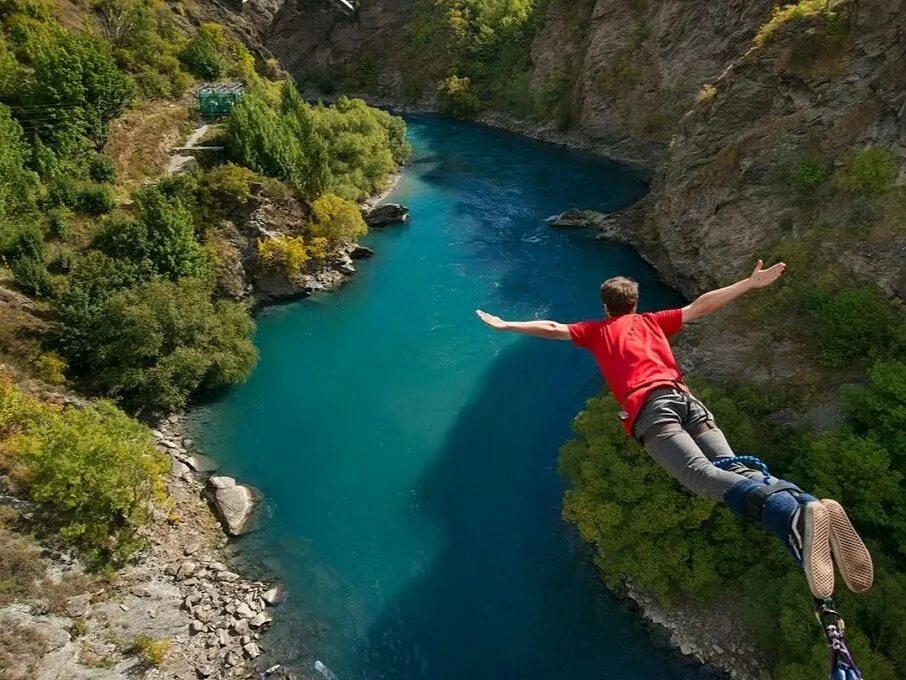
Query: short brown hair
column 620, row 295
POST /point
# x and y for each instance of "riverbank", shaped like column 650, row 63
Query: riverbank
column 177, row 611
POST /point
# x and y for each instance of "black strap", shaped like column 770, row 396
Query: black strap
column 755, row 499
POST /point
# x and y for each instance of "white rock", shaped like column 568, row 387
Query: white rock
column 252, row 650
column 260, row 619
column 271, row 596
column 244, row 611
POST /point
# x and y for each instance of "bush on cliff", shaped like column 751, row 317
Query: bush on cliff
column 203, row 54
column 94, row 468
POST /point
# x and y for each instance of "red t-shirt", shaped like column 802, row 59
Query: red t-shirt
column 633, row 354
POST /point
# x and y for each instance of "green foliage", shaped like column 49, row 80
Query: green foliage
column 50, row 368
column 18, row 186
column 809, row 176
column 74, row 90
column 162, row 238
column 225, row 186
column 457, row 98
column 337, row 220
column 203, row 54
column 851, row 324
column 673, row 545
column 94, row 199
column 94, row 468
column 155, row 344
column 58, row 223
column 555, row 97
column 31, row 277
column 364, row 146
column 146, row 43
column 101, row 169
column 349, row 149
column 869, row 173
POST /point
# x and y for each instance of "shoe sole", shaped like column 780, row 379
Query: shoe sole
column 816, row 551
column 849, row 552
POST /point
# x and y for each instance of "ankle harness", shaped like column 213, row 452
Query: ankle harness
column 755, row 498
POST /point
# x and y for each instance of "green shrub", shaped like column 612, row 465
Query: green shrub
column 50, row 368
column 58, row 223
column 457, row 98
column 225, row 186
column 94, row 468
column 809, row 176
column 157, row 343
column 19, row 185
column 203, row 54
column 163, row 236
column 101, row 169
column 94, row 199
column 31, row 277
column 870, row 172
column 849, row 325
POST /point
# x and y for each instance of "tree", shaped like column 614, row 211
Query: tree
column 337, row 220
column 259, row 138
column 17, row 184
column 163, row 236
column 203, row 54
column 160, row 342
column 94, row 467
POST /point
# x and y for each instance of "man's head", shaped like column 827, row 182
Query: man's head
column 620, row 295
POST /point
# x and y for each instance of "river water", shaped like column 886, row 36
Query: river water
column 408, row 454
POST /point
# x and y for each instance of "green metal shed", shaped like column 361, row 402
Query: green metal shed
column 218, row 100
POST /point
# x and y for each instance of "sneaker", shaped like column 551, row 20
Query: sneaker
column 809, row 541
column 849, row 552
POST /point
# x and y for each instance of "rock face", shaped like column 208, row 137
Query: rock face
column 389, row 213
column 235, row 504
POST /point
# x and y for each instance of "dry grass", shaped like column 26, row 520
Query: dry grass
column 20, row 650
column 141, row 140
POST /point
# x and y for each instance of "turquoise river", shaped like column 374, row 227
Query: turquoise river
column 408, row 454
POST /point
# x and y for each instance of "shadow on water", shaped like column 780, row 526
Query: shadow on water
column 511, row 594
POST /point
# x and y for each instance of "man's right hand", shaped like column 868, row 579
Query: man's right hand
column 494, row 322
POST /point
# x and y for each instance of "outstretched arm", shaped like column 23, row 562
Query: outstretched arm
column 550, row 330
column 715, row 299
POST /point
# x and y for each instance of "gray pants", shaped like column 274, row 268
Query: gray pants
column 678, row 432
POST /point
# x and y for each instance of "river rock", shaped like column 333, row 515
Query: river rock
column 358, row 252
column 272, row 596
column 201, row 463
column 578, row 219
column 260, row 619
column 389, row 213
column 235, row 505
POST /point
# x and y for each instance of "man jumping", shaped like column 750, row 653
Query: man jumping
column 680, row 434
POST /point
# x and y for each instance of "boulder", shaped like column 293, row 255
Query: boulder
column 78, row 605
column 357, row 252
column 578, row 219
column 389, row 213
column 234, row 503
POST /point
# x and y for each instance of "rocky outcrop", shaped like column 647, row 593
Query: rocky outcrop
column 242, row 274
column 386, row 214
